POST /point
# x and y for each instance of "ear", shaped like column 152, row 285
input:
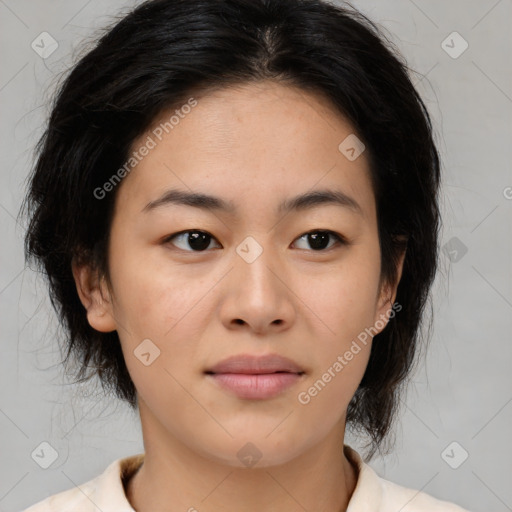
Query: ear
column 95, row 297
column 387, row 297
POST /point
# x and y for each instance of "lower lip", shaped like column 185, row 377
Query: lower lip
column 256, row 387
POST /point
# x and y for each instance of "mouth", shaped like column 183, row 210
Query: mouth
column 255, row 378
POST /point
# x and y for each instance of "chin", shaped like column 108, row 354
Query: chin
column 253, row 451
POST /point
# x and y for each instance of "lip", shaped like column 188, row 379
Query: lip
column 252, row 365
column 256, row 377
column 255, row 387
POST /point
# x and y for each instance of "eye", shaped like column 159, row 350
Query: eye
column 319, row 239
column 199, row 241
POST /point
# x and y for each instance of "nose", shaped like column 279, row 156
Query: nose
column 258, row 295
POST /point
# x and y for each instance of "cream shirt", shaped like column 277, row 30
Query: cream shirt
column 372, row 493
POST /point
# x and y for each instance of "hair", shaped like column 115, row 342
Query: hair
column 156, row 56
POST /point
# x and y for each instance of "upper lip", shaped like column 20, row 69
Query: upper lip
column 249, row 364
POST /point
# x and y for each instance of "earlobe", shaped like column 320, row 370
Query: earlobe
column 95, row 297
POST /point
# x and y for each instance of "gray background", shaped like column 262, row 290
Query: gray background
column 462, row 390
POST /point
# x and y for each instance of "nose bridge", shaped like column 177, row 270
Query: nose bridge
column 257, row 291
column 257, row 263
column 256, row 294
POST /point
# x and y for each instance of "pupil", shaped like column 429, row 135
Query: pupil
column 198, row 241
column 319, row 240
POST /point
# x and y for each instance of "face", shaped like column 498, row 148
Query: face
column 200, row 284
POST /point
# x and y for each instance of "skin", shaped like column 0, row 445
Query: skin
column 255, row 145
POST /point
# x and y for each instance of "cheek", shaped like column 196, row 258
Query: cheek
column 150, row 298
column 345, row 351
column 346, row 309
column 346, row 305
column 345, row 302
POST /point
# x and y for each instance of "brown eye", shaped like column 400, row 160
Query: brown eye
column 195, row 240
column 319, row 240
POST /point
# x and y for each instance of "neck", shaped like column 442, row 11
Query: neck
column 320, row 478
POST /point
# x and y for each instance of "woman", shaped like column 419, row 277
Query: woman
column 235, row 203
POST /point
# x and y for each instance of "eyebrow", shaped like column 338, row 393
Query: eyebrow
column 298, row 203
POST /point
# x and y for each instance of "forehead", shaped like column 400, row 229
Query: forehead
column 250, row 144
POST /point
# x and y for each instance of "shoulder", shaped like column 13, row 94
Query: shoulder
column 376, row 494
column 411, row 500
column 71, row 499
column 105, row 492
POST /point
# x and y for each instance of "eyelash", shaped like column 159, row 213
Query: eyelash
column 339, row 238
